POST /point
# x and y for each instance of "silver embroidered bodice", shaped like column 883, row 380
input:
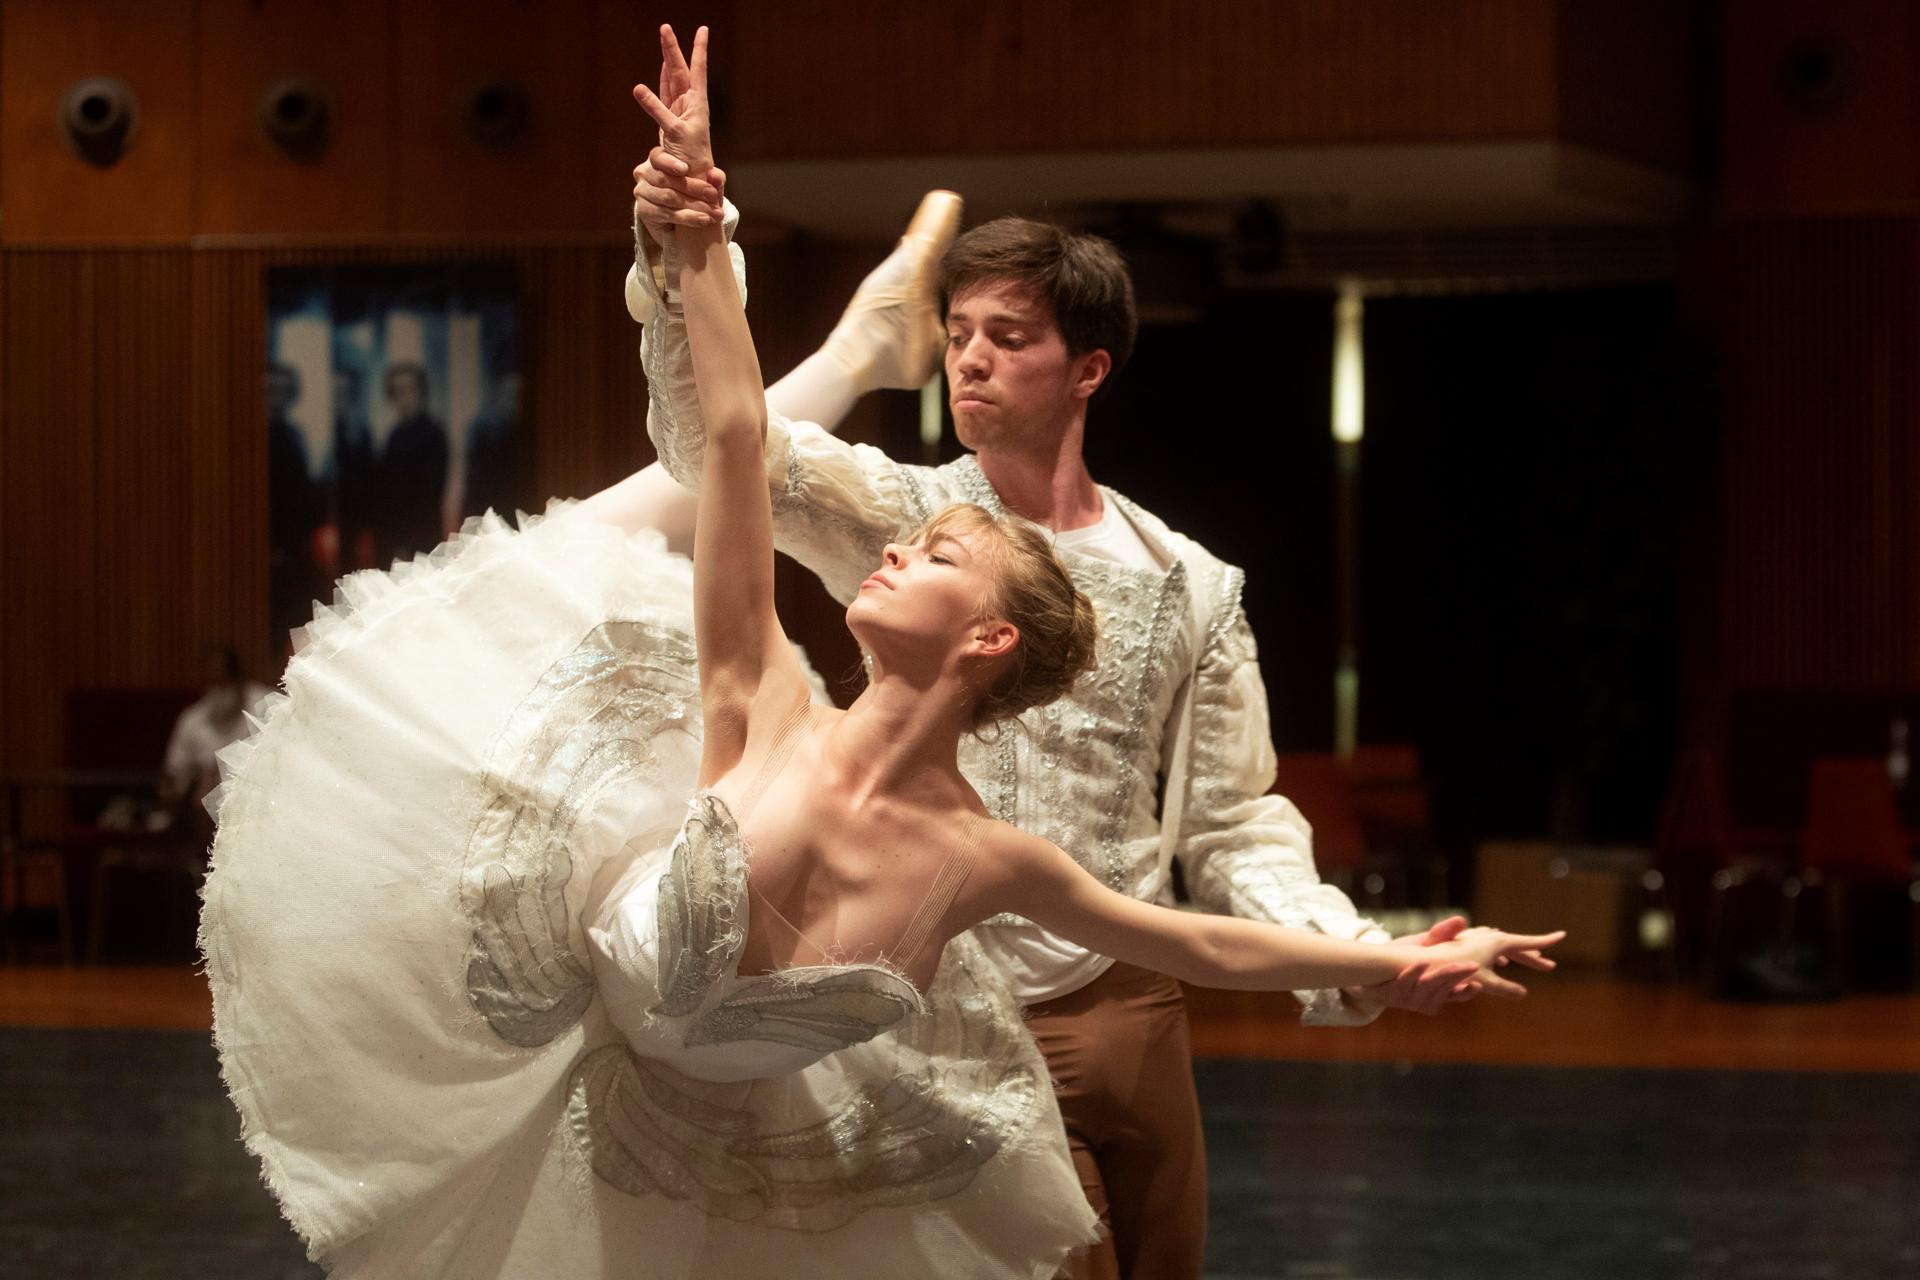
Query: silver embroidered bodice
column 926, row 1092
column 667, row 960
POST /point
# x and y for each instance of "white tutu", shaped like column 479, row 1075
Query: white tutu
column 474, row 753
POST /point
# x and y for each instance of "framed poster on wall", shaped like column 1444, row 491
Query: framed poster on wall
column 393, row 414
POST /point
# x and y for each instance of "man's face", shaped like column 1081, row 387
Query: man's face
column 1010, row 379
column 406, row 394
column 282, row 390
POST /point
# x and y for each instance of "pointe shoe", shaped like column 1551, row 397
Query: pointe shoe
column 892, row 332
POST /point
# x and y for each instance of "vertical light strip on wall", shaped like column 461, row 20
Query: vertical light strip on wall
column 1349, row 397
column 932, row 419
column 1349, row 424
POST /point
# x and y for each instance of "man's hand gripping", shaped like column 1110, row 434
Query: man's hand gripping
column 678, row 184
column 1429, row 987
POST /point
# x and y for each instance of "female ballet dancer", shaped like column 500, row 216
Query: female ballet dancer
column 492, row 1000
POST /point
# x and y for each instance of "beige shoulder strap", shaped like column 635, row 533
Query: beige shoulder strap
column 947, row 882
column 779, row 751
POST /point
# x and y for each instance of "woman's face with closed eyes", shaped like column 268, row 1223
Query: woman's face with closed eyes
column 930, row 590
column 933, row 602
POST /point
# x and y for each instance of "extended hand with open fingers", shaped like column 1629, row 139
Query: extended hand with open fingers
column 686, row 133
column 1493, row 949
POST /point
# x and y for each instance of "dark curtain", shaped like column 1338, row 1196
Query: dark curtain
column 1530, row 467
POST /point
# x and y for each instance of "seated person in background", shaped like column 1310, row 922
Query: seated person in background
column 215, row 719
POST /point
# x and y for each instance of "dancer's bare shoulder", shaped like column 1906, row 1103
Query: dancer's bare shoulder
column 1013, row 869
column 1022, row 874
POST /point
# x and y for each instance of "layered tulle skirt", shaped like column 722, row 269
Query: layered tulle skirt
column 470, row 754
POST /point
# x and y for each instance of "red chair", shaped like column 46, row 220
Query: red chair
column 1375, row 764
column 115, row 741
column 1854, row 850
column 1853, row 829
column 1704, row 862
column 1695, row 826
column 1318, row 787
column 127, row 729
column 1391, row 800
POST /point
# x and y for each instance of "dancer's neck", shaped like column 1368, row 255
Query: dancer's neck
column 899, row 736
column 1049, row 485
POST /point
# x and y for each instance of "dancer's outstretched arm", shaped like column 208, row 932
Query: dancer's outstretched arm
column 1036, row 879
column 746, row 665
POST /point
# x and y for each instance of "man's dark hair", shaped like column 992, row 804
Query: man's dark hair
column 1082, row 277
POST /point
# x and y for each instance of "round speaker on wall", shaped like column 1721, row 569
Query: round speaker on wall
column 295, row 114
column 498, row 114
column 1816, row 74
column 98, row 118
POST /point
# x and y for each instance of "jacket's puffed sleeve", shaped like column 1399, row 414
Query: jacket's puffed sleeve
column 1245, row 852
column 835, row 505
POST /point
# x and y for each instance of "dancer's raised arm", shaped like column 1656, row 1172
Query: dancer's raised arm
column 745, row 660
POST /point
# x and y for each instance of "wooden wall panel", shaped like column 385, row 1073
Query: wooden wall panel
column 873, row 77
column 815, row 77
column 1820, row 558
column 444, row 182
column 246, row 184
column 1631, row 75
column 617, row 404
column 1859, row 152
column 47, row 193
column 142, row 427
column 626, row 51
column 7, row 607
column 227, row 491
column 557, row 297
column 133, row 504
column 48, row 527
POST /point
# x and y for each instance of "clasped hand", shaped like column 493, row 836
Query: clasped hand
column 1492, row 949
column 679, row 185
column 1452, row 971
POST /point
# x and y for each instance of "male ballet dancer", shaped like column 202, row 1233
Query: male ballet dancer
column 1037, row 320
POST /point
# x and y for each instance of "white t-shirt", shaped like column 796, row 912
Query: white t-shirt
column 1111, row 537
column 1039, row 965
column 201, row 733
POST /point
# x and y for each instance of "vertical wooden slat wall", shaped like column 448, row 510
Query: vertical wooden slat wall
column 994, row 77
column 1820, row 458
column 132, row 452
column 48, row 540
column 7, row 608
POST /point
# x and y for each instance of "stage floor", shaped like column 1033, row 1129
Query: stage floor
column 1595, row 1130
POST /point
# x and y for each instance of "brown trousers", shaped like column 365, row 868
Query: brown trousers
column 1120, row 1056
